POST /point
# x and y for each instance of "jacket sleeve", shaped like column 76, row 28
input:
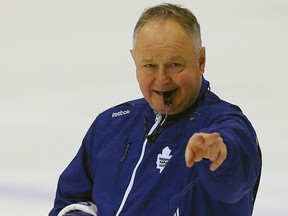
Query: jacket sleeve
column 240, row 170
column 75, row 183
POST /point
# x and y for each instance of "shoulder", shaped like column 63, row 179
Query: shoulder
column 132, row 103
column 218, row 111
column 215, row 109
column 123, row 110
column 117, row 116
column 217, row 105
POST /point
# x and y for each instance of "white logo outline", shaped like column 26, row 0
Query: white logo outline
column 163, row 158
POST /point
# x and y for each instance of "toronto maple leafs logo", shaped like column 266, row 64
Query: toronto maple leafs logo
column 162, row 159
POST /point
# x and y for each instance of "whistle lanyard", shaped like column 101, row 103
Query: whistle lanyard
column 166, row 122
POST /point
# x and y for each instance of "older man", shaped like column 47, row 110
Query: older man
column 180, row 150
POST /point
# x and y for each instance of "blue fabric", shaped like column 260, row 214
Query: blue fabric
column 101, row 170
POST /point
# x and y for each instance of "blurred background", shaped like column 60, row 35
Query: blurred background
column 63, row 62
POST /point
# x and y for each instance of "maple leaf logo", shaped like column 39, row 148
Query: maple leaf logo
column 162, row 159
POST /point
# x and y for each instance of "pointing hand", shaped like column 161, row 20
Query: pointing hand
column 208, row 146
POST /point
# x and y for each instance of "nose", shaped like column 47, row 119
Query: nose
column 162, row 77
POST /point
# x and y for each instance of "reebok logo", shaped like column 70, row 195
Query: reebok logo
column 120, row 113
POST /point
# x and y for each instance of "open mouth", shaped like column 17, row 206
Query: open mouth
column 166, row 92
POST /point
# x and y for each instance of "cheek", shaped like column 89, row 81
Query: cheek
column 184, row 82
column 188, row 84
column 144, row 83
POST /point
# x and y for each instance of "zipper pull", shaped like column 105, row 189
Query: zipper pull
column 126, row 152
column 158, row 117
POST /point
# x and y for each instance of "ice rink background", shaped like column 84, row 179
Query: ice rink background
column 63, row 62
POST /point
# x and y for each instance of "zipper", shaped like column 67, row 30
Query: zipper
column 132, row 179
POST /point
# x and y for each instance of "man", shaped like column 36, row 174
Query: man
column 180, row 150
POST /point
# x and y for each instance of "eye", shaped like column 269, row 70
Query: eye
column 176, row 67
column 149, row 66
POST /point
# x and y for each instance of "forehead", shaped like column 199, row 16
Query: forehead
column 164, row 36
column 158, row 30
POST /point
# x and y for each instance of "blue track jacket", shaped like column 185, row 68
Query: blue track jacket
column 125, row 174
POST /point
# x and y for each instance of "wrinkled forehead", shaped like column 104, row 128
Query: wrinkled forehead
column 163, row 31
column 167, row 25
column 167, row 36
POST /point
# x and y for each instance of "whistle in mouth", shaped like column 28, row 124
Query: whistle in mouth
column 167, row 98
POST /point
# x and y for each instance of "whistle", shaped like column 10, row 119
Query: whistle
column 167, row 98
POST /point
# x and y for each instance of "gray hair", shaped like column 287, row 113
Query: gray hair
column 165, row 11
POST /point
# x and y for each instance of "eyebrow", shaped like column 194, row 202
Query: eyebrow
column 146, row 60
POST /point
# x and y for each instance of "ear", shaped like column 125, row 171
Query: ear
column 132, row 53
column 202, row 59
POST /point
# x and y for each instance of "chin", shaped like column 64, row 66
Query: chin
column 161, row 109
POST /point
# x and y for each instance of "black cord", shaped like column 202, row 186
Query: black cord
column 151, row 137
